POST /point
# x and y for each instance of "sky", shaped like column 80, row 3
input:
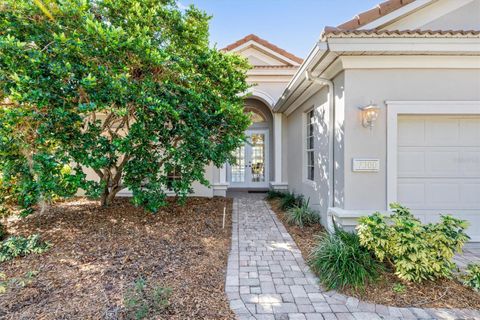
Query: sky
column 293, row 25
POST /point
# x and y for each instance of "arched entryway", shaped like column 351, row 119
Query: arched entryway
column 254, row 166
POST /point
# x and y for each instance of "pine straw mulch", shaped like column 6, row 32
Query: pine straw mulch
column 443, row 293
column 97, row 253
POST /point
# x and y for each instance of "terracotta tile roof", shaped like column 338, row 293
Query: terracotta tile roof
column 265, row 43
column 330, row 32
column 380, row 10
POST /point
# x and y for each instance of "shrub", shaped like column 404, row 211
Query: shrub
column 144, row 300
column 340, row 261
column 16, row 246
column 274, row 194
column 302, row 215
column 472, row 278
column 290, row 200
column 417, row 251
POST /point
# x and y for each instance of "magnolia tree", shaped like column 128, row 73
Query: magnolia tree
column 129, row 89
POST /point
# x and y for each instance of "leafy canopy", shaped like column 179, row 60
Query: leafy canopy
column 129, row 89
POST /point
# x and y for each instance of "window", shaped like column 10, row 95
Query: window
column 310, row 154
column 255, row 116
column 172, row 176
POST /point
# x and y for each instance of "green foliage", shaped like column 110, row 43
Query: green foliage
column 417, row 251
column 24, row 281
column 340, row 261
column 144, row 300
column 472, row 277
column 16, row 246
column 274, row 194
column 290, row 200
column 399, row 287
column 302, row 215
column 130, row 89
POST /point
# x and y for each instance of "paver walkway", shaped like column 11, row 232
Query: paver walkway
column 267, row 278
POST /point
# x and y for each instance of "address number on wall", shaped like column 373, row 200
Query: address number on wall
column 366, row 165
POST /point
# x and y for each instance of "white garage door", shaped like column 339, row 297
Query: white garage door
column 439, row 167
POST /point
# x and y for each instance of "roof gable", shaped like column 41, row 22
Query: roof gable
column 260, row 52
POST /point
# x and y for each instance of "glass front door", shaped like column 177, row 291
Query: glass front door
column 250, row 168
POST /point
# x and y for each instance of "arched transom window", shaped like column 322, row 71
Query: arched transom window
column 256, row 116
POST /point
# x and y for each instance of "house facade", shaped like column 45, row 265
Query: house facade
column 385, row 108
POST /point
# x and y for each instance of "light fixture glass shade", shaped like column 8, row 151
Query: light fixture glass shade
column 369, row 115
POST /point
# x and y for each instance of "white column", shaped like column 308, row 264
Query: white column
column 223, row 174
column 278, row 182
column 220, row 187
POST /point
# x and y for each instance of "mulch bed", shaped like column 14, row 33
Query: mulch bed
column 97, row 253
column 443, row 293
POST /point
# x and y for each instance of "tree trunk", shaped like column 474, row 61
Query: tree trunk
column 112, row 187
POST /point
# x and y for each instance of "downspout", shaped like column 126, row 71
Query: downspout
column 331, row 138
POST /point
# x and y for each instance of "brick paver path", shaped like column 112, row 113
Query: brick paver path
column 267, row 278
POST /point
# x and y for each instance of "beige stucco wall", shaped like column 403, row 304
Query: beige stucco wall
column 318, row 190
column 199, row 190
column 466, row 17
column 442, row 15
column 368, row 190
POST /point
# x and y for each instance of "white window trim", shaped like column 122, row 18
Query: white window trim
column 396, row 108
column 305, row 179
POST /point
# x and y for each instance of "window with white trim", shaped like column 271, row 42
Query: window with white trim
column 310, row 146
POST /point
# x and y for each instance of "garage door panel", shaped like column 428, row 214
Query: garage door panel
column 413, row 132
column 470, row 131
column 435, row 193
column 470, row 162
column 439, row 162
column 470, row 194
column 442, row 163
column 441, row 131
column 411, row 194
column 411, row 162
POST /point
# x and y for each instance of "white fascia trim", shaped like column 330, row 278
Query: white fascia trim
column 397, row 14
column 267, row 50
column 405, row 45
column 404, row 62
column 396, row 108
column 272, row 71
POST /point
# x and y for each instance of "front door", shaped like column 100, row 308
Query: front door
column 251, row 167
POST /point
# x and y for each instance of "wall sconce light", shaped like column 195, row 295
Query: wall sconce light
column 369, row 115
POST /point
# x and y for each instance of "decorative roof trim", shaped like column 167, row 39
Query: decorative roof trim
column 330, row 32
column 263, row 42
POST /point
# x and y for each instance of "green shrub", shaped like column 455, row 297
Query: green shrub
column 274, row 194
column 144, row 300
column 302, row 215
column 417, row 251
column 472, row 278
column 17, row 246
column 340, row 261
column 290, row 200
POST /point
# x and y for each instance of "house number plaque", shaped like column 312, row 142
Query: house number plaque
column 366, row 165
